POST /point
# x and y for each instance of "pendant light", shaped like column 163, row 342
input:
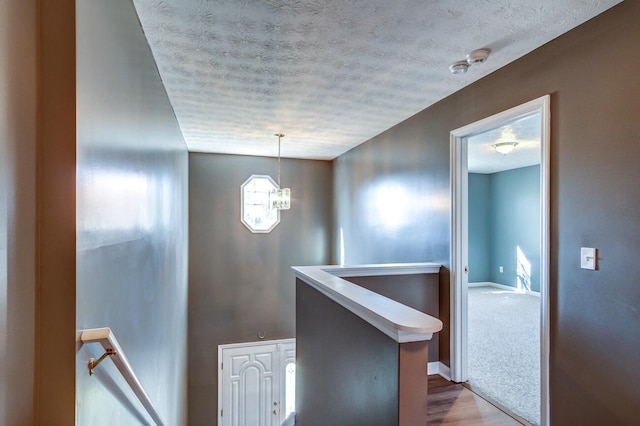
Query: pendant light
column 280, row 198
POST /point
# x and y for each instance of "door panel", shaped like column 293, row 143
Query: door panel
column 253, row 382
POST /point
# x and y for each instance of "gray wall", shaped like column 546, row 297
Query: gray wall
column 241, row 283
column 504, row 216
column 18, row 107
column 595, row 197
column 419, row 291
column 132, row 171
column 392, row 198
column 348, row 370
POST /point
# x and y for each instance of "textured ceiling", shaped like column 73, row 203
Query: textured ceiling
column 330, row 74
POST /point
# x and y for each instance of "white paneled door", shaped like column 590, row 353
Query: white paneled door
column 253, row 383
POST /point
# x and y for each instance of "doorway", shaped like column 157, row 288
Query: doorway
column 256, row 384
column 464, row 142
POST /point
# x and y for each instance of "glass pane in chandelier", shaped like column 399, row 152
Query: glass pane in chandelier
column 280, row 198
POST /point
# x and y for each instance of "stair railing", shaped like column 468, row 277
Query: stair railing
column 108, row 340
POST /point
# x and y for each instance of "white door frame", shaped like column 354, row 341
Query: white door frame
column 459, row 242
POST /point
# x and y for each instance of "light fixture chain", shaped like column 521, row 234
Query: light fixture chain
column 279, row 135
column 280, row 198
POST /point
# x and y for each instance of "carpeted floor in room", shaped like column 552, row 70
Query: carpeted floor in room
column 504, row 349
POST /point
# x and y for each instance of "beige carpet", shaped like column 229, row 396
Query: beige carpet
column 504, row 349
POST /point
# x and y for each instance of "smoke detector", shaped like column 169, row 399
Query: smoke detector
column 478, row 56
column 459, row 67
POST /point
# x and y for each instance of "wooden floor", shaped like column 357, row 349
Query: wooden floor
column 453, row 404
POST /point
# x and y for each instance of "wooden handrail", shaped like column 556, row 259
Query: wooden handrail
column 107, row 339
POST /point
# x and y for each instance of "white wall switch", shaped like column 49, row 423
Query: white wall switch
column 588, row 258
column 501, row 269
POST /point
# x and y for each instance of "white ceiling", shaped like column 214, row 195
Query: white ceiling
column 525, row 131
column 330, row 74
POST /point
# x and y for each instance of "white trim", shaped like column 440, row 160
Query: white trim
column 256, row 343
column 249, row 226
column 400, row 322
column 545, row 226
column 459, row 249
column 459, row 256
column 436, row 367
column 483, row 284
column 383, row 269
column 502, row 287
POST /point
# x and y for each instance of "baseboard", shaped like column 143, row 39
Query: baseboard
column 483, row 284
column 437, row 367
column 502, row 287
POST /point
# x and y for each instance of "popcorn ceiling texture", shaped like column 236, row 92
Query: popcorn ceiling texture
column 330, row 74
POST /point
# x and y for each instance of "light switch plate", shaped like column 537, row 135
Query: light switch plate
column 588, row 258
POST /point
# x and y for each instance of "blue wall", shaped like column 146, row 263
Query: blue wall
column 515, row 222
column 479, row 227
column 504, row 227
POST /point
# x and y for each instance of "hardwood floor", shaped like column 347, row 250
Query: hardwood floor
column 453, row 404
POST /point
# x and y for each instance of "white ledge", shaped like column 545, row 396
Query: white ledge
column 382, row 269
column 400, row 322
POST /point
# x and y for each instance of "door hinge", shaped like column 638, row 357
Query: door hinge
column 221, row 365
column 220, row 413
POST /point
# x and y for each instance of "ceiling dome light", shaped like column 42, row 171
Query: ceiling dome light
column 459, row 67
column 478, row 56
column 504, row 147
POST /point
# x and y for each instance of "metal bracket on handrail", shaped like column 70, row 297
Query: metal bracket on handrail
column 112, row 348
column 93, row 363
